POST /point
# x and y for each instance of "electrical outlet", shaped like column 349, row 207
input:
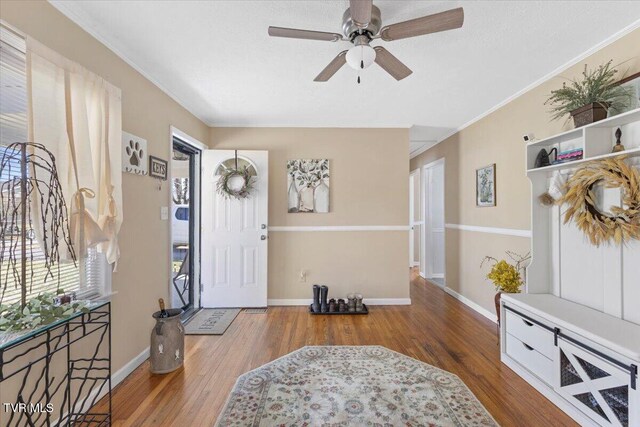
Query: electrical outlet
column 303, row 276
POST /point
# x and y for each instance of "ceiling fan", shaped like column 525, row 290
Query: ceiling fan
column 362, row 23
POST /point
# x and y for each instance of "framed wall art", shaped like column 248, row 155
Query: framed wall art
column 486, row 186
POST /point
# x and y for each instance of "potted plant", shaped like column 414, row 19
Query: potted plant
column 589, row 98
column 506, row 276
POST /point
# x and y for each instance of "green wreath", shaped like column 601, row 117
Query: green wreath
column 241, row 193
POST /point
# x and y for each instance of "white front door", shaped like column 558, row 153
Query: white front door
column 234, row 233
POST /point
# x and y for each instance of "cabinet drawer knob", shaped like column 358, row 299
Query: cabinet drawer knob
column 526, row 322
column 528, row 347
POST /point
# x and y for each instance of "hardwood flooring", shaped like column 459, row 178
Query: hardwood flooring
column 436, row 329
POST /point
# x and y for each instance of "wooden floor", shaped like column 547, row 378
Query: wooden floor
column 436, row 329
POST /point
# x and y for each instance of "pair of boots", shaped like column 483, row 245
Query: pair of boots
column 320, row 304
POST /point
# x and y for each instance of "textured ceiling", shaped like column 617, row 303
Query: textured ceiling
column 216, row 59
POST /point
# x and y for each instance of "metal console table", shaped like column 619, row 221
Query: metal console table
column 54, row 375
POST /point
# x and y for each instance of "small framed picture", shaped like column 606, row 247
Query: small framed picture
column 157, row 168
column 486, row 186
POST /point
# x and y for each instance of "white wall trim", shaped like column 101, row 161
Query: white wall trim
column 368, row 301
column 491, row 230
column 341, row 228
column 537, row 83
column 131, row 366
column 466, row 301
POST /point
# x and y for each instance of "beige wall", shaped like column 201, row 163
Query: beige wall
column 143, row 271
column 497, row 138
column 369, row 186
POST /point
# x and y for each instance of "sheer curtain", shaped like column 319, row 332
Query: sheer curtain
column 77, row 115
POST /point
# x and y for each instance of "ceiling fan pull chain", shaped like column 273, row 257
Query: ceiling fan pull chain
column 362, row 64
column 358, row 79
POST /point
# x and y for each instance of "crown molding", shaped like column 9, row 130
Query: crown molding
column 606, row 42
column 86, row 25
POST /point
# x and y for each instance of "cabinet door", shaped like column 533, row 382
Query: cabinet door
column 595, row 386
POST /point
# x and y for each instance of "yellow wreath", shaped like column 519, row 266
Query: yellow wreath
column 622, row 224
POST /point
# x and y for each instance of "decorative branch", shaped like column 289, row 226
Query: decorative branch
column 28, row 185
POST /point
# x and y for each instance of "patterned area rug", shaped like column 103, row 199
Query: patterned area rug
column 211, row 321
column 351, row 386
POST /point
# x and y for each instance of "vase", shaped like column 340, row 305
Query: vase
column 167, row 342
column 293, row 198
column 315, row 307
column 324, row 292
column 321, row 198
column 590, row 113
column 306, row 199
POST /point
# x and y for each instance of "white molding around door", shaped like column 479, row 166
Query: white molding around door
column 174, row 132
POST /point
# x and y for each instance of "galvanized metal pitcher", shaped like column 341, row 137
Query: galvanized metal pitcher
column 167, row 342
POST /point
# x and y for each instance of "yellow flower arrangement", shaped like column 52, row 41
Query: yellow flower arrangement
column 505, row 276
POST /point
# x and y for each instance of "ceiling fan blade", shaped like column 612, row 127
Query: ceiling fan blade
column 391, row 64
column 304, row 34
column 442, row 21
column 361, row 12
column 332, row 68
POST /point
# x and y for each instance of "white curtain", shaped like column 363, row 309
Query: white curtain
column 77, row 115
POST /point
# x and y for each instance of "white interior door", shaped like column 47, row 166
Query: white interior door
column 415, row 219
column 234, row 234
column 434, row 250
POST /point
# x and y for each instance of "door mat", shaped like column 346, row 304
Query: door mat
column 211, row 321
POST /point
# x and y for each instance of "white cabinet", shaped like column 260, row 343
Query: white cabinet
column 584, row 361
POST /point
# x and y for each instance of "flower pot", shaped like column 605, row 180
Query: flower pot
column 590, row 113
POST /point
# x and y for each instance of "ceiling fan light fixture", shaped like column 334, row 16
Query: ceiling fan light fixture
column 359, row 57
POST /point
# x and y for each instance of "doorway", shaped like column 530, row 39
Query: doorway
column 185, row 226
column 433, row 256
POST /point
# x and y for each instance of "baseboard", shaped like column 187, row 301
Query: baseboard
column 466, row 301
column 127, row 369
column 368, row 301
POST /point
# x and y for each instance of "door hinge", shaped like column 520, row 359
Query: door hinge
column 634, row 373
column 556, row 332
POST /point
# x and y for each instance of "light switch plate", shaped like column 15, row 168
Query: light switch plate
column 164, row 213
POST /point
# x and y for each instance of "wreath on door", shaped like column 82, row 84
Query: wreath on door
column 236, row 183
column 621, row 223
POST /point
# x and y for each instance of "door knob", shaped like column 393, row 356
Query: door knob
column 263, row 237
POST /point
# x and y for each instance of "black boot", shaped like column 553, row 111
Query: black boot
column 324, row 292
column 315, row 307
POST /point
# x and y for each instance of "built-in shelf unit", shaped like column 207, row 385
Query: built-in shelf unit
column 575, row 332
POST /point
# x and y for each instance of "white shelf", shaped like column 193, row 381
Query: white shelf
column 568, row 165
column 611, row 122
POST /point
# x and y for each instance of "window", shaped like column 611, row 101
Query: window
column 89, row 277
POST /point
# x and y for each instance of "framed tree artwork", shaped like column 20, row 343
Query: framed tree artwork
column 486, row 186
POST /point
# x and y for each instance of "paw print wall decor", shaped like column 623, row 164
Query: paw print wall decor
column 134, row 154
